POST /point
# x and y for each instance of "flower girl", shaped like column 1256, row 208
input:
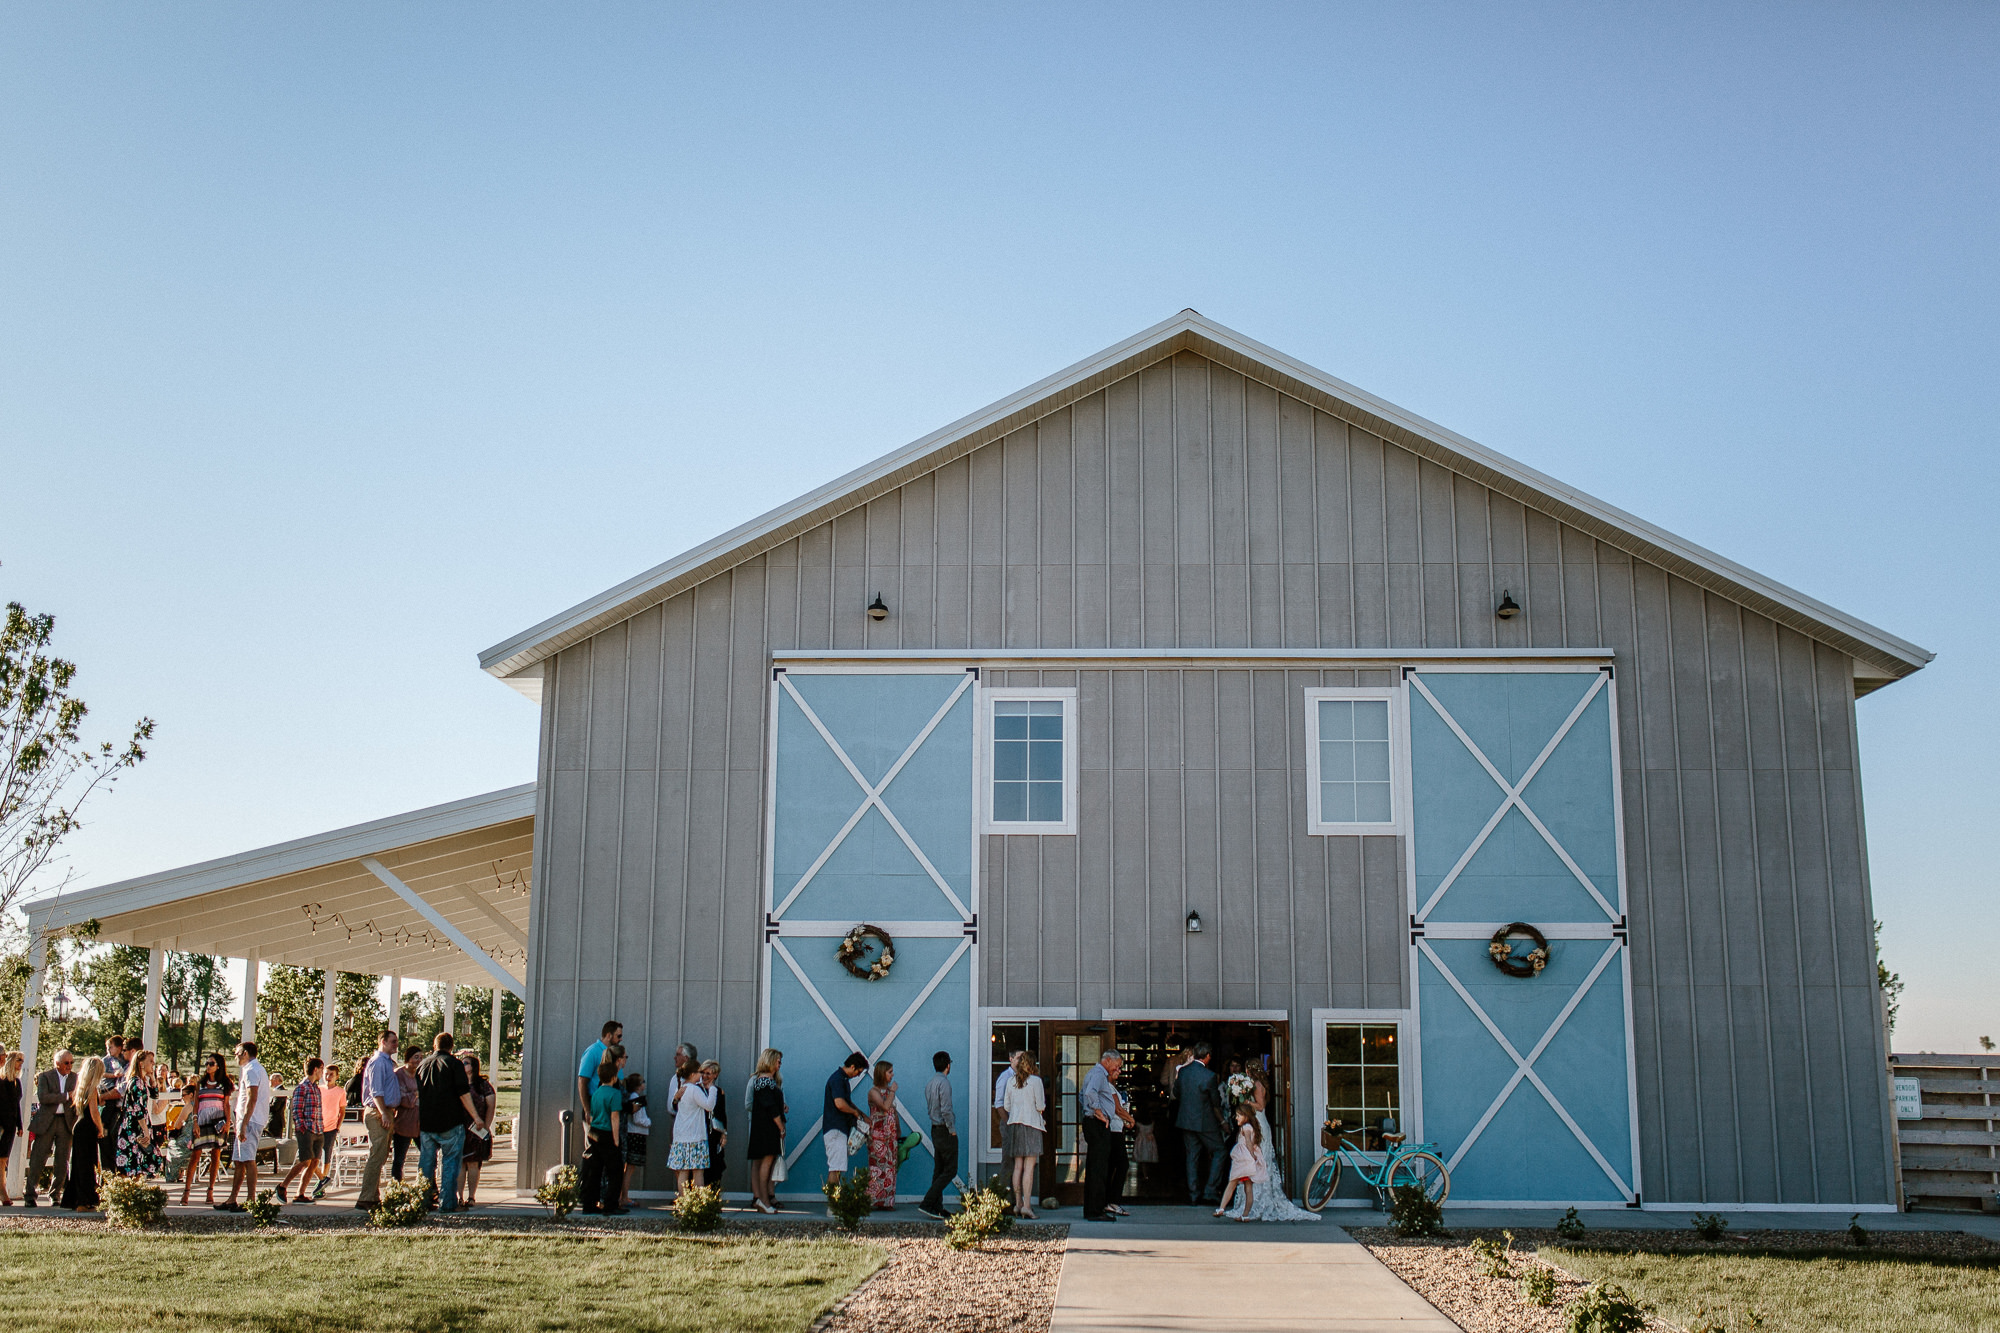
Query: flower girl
column 1246, row 1164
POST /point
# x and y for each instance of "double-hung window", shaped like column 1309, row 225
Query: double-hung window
column 1030, row 761
column 1352, row 765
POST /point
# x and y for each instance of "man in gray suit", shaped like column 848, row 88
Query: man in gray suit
column 1199, row 1120
column 49, row 1126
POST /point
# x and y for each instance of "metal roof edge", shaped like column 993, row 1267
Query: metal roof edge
column 284, row 858
column 1189, row 329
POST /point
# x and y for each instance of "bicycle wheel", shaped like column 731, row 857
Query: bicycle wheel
column 1424, row 1171
column 1323, row 1181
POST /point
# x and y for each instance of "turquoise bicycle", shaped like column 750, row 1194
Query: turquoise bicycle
column 1403, row 1165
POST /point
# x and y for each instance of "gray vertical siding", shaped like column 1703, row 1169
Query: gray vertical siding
column 1187, row 506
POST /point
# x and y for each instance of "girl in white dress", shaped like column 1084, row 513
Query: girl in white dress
column 1246, row 1164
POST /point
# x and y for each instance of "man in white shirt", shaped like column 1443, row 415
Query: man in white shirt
column 253, row 1112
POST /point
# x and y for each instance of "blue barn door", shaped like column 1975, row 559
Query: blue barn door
column 871, row 822
column 1526, row 1082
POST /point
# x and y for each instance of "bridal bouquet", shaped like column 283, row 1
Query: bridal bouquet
column 1241, row 1088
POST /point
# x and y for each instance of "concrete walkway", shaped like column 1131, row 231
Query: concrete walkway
column 1180, row 1270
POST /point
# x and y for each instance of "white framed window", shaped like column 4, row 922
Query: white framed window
column 1365, row 1076
column 1030, row 740
column 1354, row 764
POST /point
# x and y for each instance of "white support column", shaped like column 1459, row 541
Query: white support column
column 150, row 1027
column 395, row 1023
column 249, row 999
column 450, row 1007
column 493, row 1044
column 31, row 1034
column 326, row 1017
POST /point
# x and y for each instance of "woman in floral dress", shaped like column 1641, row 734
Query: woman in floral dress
column 137, row 1154
column 882, row 1137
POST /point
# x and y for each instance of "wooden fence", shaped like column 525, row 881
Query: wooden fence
column 1951, row 1157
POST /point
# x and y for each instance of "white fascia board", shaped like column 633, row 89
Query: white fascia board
column 1191, row 331
column 346, row 844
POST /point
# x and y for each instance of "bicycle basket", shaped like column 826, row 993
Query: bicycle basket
column 1329, row 1135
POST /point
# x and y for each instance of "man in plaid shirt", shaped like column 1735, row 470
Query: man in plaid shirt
column 304, row 1109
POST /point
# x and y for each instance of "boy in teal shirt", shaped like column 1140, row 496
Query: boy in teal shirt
column 604, row 1154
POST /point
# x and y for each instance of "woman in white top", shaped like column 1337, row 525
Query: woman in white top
column 689, row 1155
column 1022, row 1138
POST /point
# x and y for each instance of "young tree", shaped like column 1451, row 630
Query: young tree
column 197, row 982
column 288, row 1013
column 48, row 771
column 115, row 984
column 1891, row 983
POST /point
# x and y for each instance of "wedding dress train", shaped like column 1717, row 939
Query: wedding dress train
column 1268, row 1202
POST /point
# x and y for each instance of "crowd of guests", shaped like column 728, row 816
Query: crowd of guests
column 121, row 1114
column 618, row 1125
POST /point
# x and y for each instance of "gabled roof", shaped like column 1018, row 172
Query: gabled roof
column 1879, row 655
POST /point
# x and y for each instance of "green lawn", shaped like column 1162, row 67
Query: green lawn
column 333, row 1281
column 1802, row 1294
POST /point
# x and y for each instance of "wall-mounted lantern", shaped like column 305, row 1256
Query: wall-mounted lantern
column 1194, row 923
column 1508, row 607
column 878, row 609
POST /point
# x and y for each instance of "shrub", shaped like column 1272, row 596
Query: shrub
column 1494, row 1256
column 404, row 1205
column 1538, row 1285
column 985, row 1214
column 560, row 1193
column 1709, row 1226
column 264, row 1209
column 1857, row 1235
column 847, row 1199
column 1414, row 1213
column 1605, row 1308
column 132, row 1203
column 1569, row 1226
column 698, row 1208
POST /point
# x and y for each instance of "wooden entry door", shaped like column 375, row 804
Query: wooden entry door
column 1068, row 1052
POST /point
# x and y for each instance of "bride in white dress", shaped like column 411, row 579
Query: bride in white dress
column 1269, row 1203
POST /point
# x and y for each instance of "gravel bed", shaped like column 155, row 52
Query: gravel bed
column 1445, row 1272
column 1008, row 1285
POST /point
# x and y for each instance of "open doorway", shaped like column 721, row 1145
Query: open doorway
column 1153, row 1050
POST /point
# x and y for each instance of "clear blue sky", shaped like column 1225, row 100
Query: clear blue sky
column 339, row 342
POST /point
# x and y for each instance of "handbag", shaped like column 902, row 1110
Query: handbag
column 778, row 1170
column 857, row 1140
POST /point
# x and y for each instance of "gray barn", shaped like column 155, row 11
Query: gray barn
column 1194, row 695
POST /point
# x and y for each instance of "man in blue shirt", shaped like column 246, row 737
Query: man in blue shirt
column 838, row 1114
column 613, row 1034
column 1102, row 1118
column 381, row 1090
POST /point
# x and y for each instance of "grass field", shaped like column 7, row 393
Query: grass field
column 464, row 1282
column 1802, row 1294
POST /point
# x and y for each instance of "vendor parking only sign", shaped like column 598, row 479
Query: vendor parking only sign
column 1909, row 1100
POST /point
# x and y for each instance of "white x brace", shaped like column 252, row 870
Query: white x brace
column 1511, row 797
column 871, row 795
column 1524, row 1067
column 840, row 1029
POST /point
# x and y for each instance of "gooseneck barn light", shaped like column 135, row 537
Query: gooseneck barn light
column 1508, row 607
column 1194, row 923
column 878, row 609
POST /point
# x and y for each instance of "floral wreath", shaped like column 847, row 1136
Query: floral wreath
column 1502, row 950
column 854, row 949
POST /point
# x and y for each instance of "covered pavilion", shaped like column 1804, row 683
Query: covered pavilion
column 439, row 894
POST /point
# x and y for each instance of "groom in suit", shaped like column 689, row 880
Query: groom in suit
column 49, row 1126
column 1199, row 1120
